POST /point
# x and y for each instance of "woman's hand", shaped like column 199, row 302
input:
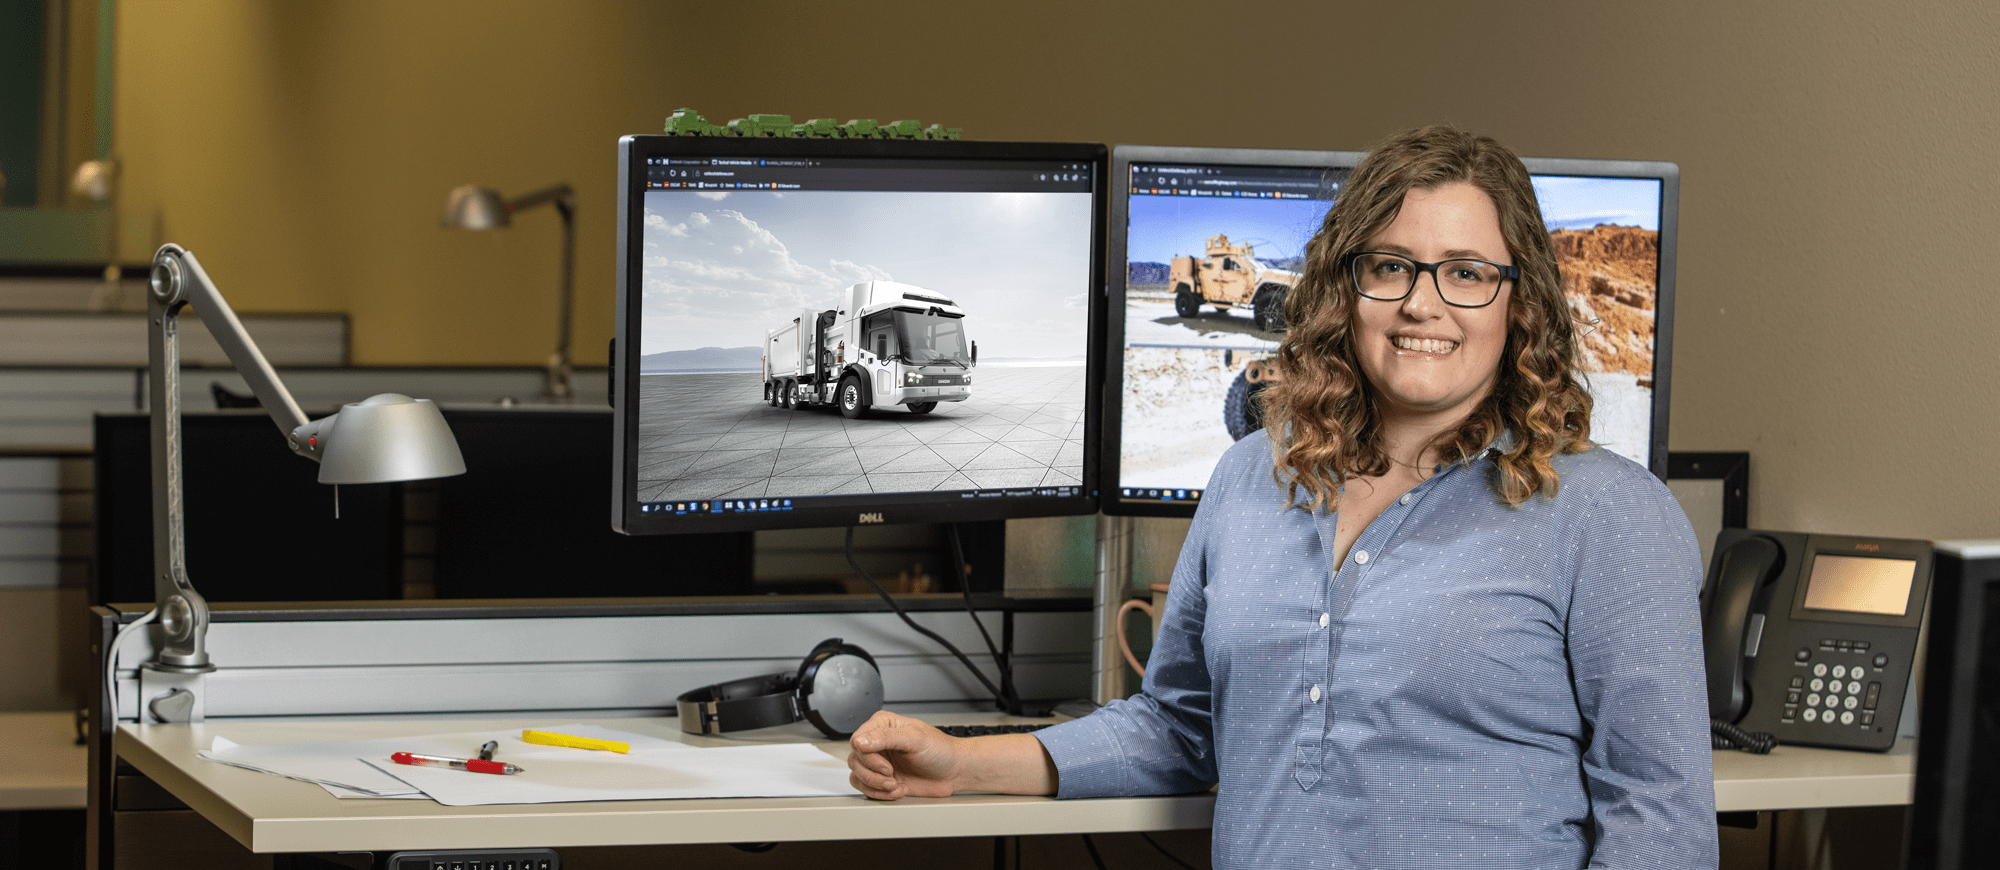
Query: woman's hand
column 895, row 756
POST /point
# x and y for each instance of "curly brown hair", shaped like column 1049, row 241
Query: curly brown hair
column 1324, row 417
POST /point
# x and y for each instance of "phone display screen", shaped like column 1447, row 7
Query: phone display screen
column 1861, row 584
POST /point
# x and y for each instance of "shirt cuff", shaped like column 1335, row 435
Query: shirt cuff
column 1090, row 760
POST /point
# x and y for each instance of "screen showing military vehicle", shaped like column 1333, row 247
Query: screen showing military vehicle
column 881, row 332
column 1207, row 243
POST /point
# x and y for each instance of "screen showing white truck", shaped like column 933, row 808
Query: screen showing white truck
column 875, row 327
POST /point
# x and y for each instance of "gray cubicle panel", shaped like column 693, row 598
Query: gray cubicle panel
column 260, row 526
column 531, row 518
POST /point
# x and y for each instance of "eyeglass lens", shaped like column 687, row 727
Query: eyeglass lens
column 1388, row 277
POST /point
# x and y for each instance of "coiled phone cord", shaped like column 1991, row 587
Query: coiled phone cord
column 1723, row 735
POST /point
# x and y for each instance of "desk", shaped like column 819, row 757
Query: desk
column 41, row 764
column 268, row 814
column 1800, row 777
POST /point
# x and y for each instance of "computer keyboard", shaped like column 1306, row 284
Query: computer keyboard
column 983, row 730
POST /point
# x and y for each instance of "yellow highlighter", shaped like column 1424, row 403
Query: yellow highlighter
column 550, row 738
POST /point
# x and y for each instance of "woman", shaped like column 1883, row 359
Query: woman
column 1422, row 621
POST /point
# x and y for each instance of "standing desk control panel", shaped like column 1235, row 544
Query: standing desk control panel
column 475, row 859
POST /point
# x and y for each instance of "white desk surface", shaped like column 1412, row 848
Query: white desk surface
column 1799, row 777
column 268, row 814
column 42, row 767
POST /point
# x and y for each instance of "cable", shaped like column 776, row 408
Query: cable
column 1010, row 701
column 1723, row 735
column 1163, row 850
column 111, row 665
column 1092, row 848
column 852, row 563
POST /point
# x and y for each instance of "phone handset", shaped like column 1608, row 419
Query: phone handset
column 1730, row 636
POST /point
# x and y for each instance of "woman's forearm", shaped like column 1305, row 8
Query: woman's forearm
column 1006, row 764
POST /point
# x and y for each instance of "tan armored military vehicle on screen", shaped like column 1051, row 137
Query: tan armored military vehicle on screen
column 1231, row 276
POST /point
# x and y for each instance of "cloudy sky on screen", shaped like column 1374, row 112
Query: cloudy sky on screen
column 722, row 268
column 1164, row 227
column 1575, row 203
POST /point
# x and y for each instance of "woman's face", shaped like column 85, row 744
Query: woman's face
column 1426, row 358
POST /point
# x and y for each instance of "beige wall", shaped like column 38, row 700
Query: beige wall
column 1840, row 164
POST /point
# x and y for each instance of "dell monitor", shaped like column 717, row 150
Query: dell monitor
column 835, row 332
column 1207, row 242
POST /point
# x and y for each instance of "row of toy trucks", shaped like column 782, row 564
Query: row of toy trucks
column 884, row 344
column 688, row 122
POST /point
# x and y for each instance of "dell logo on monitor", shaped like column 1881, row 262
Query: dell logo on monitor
column 871, row 518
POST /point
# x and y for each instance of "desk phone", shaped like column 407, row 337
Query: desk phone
column 1812, row 638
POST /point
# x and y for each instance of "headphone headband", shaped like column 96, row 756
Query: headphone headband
column 837, row 687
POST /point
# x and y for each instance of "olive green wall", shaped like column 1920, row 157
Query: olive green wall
column 1840, row 164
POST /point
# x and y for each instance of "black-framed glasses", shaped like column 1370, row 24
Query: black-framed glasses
column 1463, row 283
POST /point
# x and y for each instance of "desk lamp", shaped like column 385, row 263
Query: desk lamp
column 472, row 207
column 96, row 180
column 386, row 438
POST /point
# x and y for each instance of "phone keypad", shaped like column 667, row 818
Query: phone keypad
column 1837, row 688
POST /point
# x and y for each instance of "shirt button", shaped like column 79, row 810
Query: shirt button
column 1361, row 556
column 1314, row 694
column 1324, row 619
column 1404, row 500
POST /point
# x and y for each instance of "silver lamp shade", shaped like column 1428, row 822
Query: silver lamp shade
column 472, row 207
column 385, row 438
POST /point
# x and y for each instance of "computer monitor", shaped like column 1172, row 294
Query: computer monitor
column 836, row 332
column 1958, row 736
column 1206, row 243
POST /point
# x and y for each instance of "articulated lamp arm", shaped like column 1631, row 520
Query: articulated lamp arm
column 386, row 438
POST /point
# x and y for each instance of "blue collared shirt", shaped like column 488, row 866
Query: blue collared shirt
column 1478, row 685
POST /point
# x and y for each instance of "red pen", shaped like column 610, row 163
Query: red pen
column 472, row 764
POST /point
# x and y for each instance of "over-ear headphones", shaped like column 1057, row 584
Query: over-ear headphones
column 836, row 688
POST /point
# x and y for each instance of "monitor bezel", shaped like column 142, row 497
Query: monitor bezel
column 634, row 150
column 1116, row 275
column 1941, row 827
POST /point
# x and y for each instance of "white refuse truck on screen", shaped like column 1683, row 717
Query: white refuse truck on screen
column 886, row 344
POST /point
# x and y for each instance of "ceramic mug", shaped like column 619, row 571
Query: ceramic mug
column 1153, row 610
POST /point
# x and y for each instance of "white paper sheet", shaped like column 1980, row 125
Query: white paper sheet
column 340, row 767
column 558, row 775
column 337, row 767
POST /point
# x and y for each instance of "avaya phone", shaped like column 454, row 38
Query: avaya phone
column 1811, row 638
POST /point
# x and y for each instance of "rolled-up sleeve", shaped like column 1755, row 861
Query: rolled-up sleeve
column 1162, row 740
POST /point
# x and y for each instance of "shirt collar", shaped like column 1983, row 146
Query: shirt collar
column 1500, row 444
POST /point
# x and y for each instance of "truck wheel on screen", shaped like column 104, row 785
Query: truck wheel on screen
column 853, row 402
column 784, row 394
column 1186, row 304
column 1240, row 413
column 1270, row 310
column 922, row 407
column 771, row 393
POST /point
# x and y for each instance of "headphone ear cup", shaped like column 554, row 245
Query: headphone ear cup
column 820, row 651
column 840, row 686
